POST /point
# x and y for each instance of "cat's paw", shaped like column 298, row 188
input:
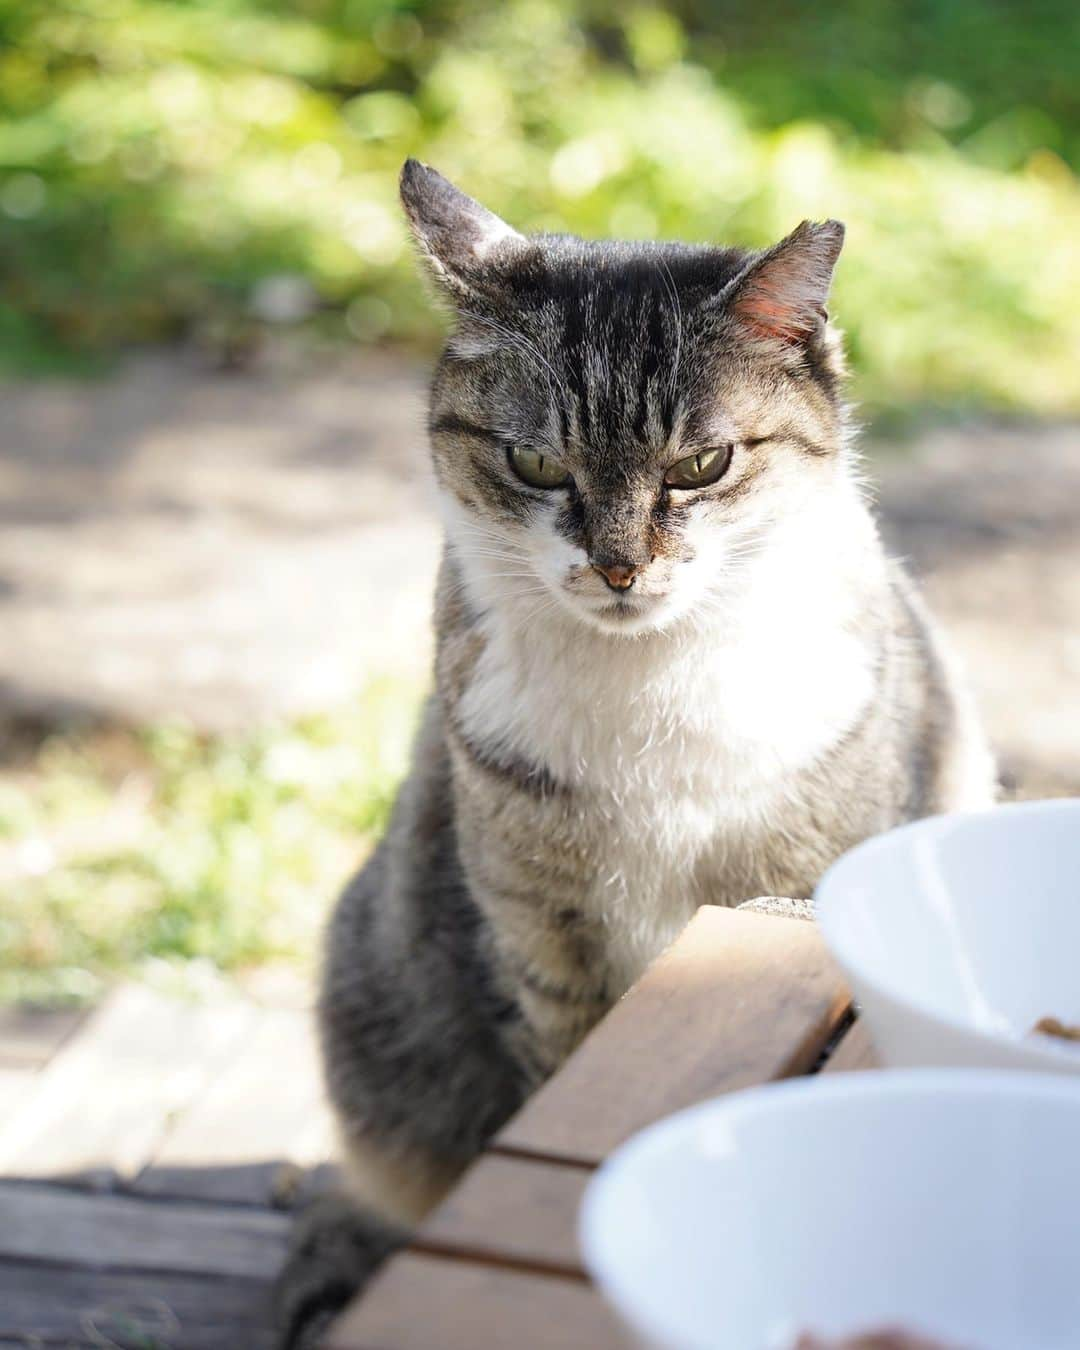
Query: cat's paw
column 336, row 1247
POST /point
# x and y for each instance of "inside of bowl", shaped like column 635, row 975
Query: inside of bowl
column 972, row 917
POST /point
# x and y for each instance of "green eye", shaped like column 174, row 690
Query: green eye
column 537, row 469
column 700, row 470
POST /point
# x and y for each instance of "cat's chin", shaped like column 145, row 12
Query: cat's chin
column 627, row 618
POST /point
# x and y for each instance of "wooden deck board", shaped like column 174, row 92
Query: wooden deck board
column 29, row 1037
column 423, row 1302
column 47, row 1305
column 102, row 1102
column 258, row 1125
column 275, row 1183
column 192, row 1118
column 51, row 1223
column 189, row 1120
column 15, row 1088
column 512, row 1210
column 741, row 998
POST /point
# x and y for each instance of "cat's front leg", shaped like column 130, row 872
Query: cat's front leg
column 550, row 955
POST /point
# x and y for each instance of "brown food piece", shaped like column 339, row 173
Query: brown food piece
column 887, row 1339
column 1053, row 1026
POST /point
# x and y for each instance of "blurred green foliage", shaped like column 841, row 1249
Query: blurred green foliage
column 170, row 165
column 185, row 851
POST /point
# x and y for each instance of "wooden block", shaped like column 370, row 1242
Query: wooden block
column 50, row 1223
column 513, row 1210
column 261, row 1122
column 739, row 999
column 102, row 1102
column 855, row 1051
column 29, row 1037
column 44, row 1305
column 436, row 1303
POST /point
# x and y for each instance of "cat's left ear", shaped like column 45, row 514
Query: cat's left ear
column 467, row 247
column 781, row 294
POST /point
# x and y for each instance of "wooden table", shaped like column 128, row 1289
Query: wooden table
column 742, row 998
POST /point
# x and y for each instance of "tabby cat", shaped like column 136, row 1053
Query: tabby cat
column 674, row 667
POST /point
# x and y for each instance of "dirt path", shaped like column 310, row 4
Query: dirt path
column 233, row 547
column 225, row 548
column 989, row 517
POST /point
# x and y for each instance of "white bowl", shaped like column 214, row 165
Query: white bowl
column 940, row 1201
column 958, row 933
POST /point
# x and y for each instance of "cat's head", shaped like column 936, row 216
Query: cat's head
column 618, row 427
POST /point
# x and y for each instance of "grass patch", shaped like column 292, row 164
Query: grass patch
column 121, row 850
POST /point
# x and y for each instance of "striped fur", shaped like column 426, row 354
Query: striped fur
column 596, row 764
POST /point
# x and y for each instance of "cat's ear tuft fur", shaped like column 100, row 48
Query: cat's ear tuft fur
column 781, row 294
column 464, row 243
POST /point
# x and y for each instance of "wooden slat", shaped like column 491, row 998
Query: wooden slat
column 15, row 1088
column 102, row 1102
column 39, row 1343
column 254, row 1183
column 275, row 1184
column 521, row 1210
column 739, row 999
column 267, row 1106
column 29, row 1037
column 437, row 1303
column 855, row 1051
column 44, row 1305
column 49, row 1223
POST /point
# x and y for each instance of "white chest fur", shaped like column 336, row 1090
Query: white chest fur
column 680, row 738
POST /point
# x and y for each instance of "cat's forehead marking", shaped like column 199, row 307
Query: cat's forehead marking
column 619, row 340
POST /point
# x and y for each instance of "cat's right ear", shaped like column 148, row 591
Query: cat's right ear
column 466, row 246
column 780, row 296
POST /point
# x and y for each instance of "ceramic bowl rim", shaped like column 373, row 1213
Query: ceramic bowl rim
column 826, row 904
column 973, row 1086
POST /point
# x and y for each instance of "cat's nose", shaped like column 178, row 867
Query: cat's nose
column 619, row 576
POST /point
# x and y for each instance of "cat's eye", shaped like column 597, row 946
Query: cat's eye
column 537, row 469
column 700, row 470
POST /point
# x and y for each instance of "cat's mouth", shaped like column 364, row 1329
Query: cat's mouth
column 630, row 613
column 637, row 609
column 623, row 607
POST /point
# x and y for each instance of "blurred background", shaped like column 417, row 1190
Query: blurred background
column 217, row 534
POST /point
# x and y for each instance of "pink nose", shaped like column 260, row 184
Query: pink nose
column 618, row 576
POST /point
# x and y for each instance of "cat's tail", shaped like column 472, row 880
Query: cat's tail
column 336, row 1247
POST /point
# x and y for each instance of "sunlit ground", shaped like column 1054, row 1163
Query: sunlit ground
column 126, row 852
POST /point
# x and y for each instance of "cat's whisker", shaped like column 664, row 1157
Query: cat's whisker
column 489, row 541
column 491, row 553
column 460, row 587
column 471, row 527
column 538, row 610
column 486, row 539
column 487, row 560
